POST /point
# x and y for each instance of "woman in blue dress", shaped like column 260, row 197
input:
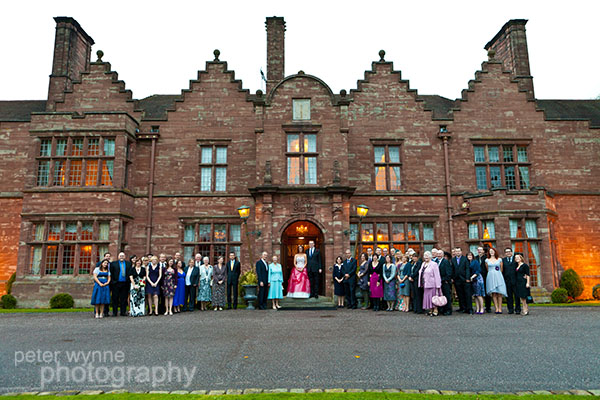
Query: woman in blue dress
column 404, row 284
column 389, row 282
column 204, row 286
column 179, row 298
column 101, row 292
column 476, row 282
column 338, row 281
column 494, row 283
column 275, row 279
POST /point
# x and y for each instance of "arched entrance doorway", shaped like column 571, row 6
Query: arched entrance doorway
column 300, row 233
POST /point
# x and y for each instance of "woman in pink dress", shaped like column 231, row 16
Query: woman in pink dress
column 299, row 285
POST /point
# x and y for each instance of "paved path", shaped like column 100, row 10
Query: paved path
column 551, row 349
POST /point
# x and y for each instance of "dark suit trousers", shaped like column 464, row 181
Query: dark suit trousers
column 119, row 297
column 262, row 296
column 418, row 299
column 232, row 289
column 350, row 291
column 313, row 277
column 447, row 292
column 513, row 303
column 464, row 299
column 190, row 298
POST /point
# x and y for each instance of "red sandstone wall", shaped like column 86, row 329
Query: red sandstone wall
column 10, row 222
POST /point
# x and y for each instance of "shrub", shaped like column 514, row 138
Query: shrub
column 248, row 278
column 10, row 282
column 571, row 281
column 8, row 301
column 62, row 300
column 559, row 295
column 596, row 292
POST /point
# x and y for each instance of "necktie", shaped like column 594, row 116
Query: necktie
column 232, row 265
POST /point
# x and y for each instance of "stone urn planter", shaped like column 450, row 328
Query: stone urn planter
column 360, row 297
column 250, row 296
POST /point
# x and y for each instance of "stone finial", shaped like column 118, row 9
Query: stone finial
column 300, row 72
column 343, row 92
column 381, row 55
column 491, row 55
column 100, row 54
column 268, row 176
column 259, row 93
column 217, row 53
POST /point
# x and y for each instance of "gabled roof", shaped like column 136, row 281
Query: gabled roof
column 20, row 110
column 441, row 106
column 572, row 110
column 155, row 106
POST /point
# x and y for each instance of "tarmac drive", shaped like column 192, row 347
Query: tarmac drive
column 551, row 349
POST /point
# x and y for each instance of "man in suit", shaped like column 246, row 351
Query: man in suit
column 192, row 278
column 262, row 273
column 233, row 277
column 119, row 284
column 162, row 263
column 481, row 257
column 369, row 254
column 462, row 281
column 349, row 271
column 417, row 292
column 314, row 268
column 177, row 258
column 446, row 275
column 509, row 271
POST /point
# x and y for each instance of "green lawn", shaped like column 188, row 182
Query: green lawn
column 309, row 396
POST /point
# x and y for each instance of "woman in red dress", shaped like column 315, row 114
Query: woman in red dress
column 299, row 285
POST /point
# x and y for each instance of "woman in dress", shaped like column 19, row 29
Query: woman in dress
column 477, row 284
column 275, row 279
column 375, row 283
column 154, row 275
column 494, row 283
column 179, row 298
column 101, row 292
column 219, row 281
column 389, row 282
column 523, row 283
column 299, row 285
column 169, row 285
column 431, row 282
column 204, row 292
column 363, row 279
column 338, row 281
column 404, row 284
column 137, row 278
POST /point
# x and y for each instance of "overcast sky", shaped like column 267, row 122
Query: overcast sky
column 158, row 46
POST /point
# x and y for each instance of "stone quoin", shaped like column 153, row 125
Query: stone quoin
column 92, row 169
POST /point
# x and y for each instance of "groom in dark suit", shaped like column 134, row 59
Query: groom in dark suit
column 314, row 268
column 349, row 270
column 233, row 277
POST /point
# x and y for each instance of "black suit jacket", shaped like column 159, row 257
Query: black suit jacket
column 349, row 268
column 262, row 272
column 509, row 270
column 481, row 261
column 462, row 270
column 414, row 272
column 313, row 263
column 115, row 270
column 446, row 270
column 233, row 276
column 195, row 275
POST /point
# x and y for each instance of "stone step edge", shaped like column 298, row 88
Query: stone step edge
column 593, row 392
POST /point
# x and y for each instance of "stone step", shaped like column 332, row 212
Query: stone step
column 540, row 295
column 307, row 304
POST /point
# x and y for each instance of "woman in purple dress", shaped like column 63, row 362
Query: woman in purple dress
column 431, row 282
column 169, row 284
column 179, row 298
column 154, row 275
column 375, row 283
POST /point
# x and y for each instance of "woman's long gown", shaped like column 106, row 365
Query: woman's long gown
column 299, row 285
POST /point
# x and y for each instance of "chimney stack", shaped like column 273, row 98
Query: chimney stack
column 510, row 45
column 72, row 50
column 275, row 51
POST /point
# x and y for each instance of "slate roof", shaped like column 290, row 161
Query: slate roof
column 572, row 110
column 155, row 106
column 440, row 106
column 20, row 110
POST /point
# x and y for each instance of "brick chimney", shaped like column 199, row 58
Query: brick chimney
column 510, row 44
column 72, row 49
column 275, row 51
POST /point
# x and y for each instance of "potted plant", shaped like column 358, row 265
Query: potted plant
column 249, row 284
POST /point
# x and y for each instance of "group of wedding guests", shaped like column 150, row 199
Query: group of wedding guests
column 407, row 282
column 154, row 285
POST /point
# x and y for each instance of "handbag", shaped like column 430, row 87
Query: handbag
column 439, row 300
column 529, row 299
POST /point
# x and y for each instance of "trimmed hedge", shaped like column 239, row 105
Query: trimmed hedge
column 62, row 300
column 571, row 281
column 560, row 295
column 596, row 292
column 8, row 301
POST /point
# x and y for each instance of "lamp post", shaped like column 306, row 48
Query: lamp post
column 362, row 211
column 244, row 212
